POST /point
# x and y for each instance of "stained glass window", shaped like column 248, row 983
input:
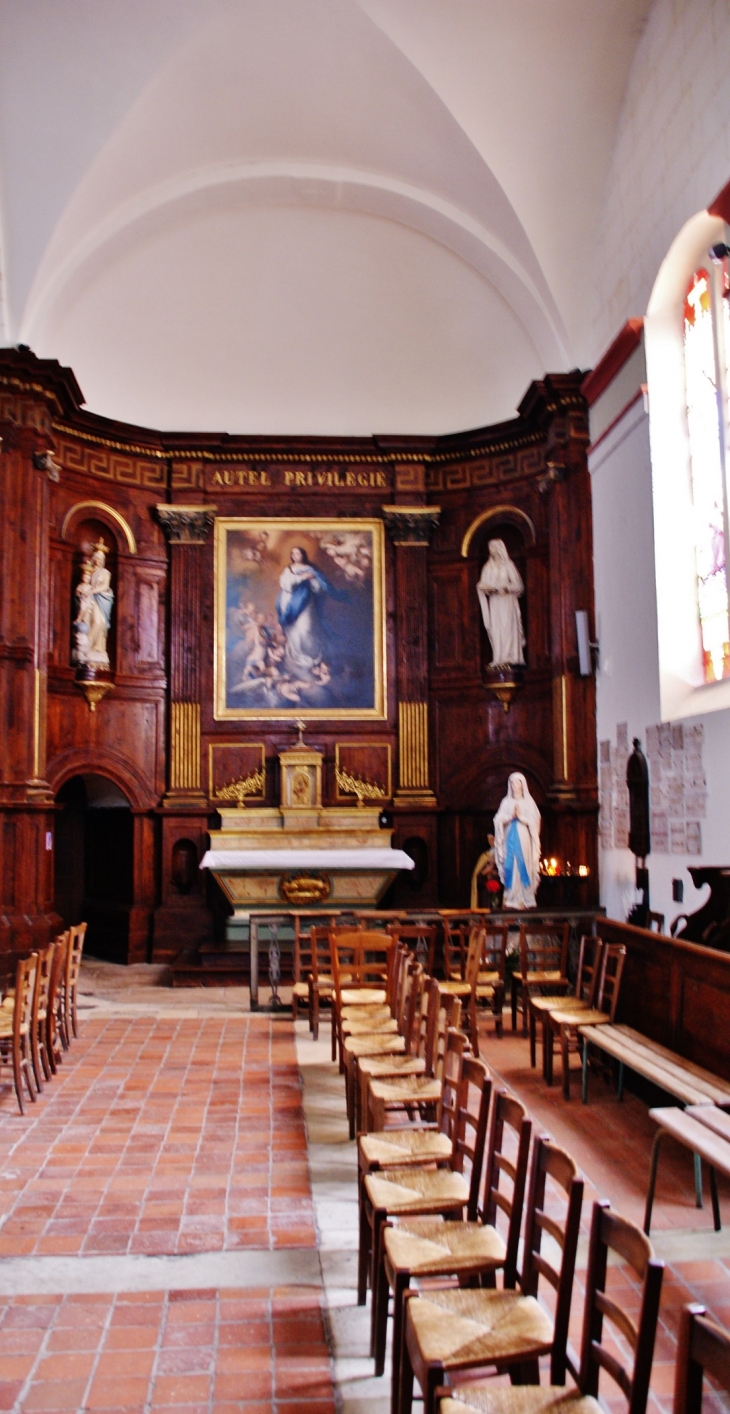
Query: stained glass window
column 706, row 340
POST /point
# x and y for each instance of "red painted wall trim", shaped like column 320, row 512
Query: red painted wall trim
column 721, row 204
column 597, row 381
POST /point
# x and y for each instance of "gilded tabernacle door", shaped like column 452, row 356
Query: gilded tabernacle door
column 299, row 618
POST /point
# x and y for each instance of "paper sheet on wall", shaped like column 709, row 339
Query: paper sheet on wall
column 677, row 788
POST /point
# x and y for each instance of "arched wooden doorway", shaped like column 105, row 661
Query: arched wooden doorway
column 94, row 859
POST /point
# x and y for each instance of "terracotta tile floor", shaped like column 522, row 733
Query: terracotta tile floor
column 180, row 1135
column 157, row 1136
column 191, row 1351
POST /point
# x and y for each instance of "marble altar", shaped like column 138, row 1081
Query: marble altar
column 302, row 854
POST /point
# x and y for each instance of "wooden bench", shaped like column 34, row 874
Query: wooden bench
column 682, row 1079
column 706, row 1131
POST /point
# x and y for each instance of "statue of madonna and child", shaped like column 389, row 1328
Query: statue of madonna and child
column 94, row 602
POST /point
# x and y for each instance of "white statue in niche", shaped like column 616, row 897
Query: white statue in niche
column 499, row 589
column 94, row 601
column 517, row 844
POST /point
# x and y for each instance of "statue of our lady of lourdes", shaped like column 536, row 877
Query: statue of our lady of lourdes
column 499, row 589
column 517, row 844
column 94, row 600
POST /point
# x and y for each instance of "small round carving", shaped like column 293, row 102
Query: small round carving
column 302, row 889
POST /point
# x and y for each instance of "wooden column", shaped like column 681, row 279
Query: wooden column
column 187, row 529
column 182, row 919
column 26, row 800
column 566, row 491
column 410, row 529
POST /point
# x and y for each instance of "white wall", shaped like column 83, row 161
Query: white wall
column 628, row 677
column 671, row 155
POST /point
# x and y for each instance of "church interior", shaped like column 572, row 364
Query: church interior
column 364, row 697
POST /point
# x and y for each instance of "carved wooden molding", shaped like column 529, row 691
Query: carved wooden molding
column 411, row 525
column 186, row 525
column 113, row 514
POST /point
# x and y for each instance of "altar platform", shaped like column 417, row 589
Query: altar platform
column 277, row 861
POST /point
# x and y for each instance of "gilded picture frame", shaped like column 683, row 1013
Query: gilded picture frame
column 299, row 619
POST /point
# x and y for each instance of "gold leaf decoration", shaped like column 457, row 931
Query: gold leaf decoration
column 239, row 790
column 364, row 790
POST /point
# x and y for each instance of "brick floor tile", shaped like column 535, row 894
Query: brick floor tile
column 254, row 1385
column 126, row 1337
column 55, row 1394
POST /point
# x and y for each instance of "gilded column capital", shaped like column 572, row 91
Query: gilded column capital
column 186, row 525
column 411, row 525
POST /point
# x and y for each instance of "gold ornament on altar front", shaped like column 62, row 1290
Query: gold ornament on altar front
column 239, row 790
column 301, row 890
column 364, row 790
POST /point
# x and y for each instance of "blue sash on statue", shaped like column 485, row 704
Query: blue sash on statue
column 514, row 856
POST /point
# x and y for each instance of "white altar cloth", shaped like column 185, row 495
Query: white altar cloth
column 285, row 859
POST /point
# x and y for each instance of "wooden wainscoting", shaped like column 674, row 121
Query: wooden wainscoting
column 676, row 993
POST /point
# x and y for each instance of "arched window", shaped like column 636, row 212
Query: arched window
column 687, row 341
column 706, row 344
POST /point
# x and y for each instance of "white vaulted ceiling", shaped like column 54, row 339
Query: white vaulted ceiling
column 306, row 216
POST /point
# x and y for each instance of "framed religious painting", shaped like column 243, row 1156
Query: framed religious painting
column 299, row 618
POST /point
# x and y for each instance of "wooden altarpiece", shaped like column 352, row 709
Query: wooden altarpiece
column 438, row 753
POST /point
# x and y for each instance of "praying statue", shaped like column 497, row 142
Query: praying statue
column 499, row 589
column 517, row 844
column 94, row 601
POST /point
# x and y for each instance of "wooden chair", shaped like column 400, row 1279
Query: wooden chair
column 703, row 1346
column 15, row 1029
column 543, row 965
column 403, row 1099
column 449, row 1333
column 468, row 1252
column 413, row 1192
column 54, row 1019
column 77, row 935
column 457, row 929
column 321, row 982
column 483, row 979
column 655, row 921
column 301, row 991
column 420, row 938
column 371, row 1029
column 586, row 986
column 563, row 1025
column 362, row 974
column 391, row 1019
column 609, row 1234
column 411, row 1144
column 420, row 1025
column 39, row 1018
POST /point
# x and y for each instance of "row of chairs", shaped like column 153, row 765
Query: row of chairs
column 477, row 980
column 443, row 1189
column 556, row 1010
column 38, row 1014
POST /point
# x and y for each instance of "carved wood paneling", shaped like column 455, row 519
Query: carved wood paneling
column 449, row 590
column 369, row 761
column 445, row 731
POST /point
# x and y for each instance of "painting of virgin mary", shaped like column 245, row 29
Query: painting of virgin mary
column 299, row 618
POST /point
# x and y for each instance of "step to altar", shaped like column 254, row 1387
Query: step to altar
column 228, row 963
